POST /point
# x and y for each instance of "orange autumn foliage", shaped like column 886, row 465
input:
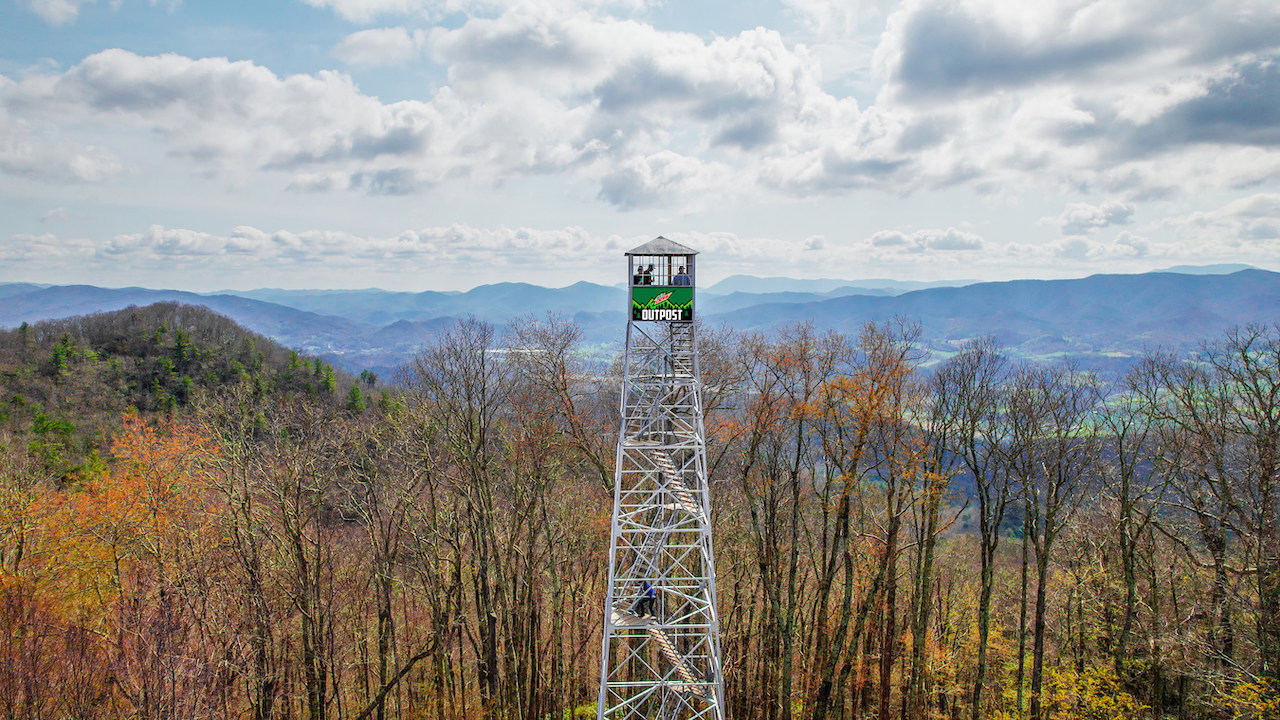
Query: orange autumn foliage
column 89, row 541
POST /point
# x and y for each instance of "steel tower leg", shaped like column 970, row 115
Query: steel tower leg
column 665, row 665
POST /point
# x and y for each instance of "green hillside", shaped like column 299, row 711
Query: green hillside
column 67, row 382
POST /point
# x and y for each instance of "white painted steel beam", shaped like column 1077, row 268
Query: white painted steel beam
column 668, row 665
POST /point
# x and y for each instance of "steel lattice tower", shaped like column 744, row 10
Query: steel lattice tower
column 666, row 662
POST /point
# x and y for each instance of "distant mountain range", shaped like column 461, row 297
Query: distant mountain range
column 871, row 286
column 1103, row 321
column 498, row 303
column 288, row 325
column 1222, row 269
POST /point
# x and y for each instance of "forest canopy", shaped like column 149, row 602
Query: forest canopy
column 198, row 523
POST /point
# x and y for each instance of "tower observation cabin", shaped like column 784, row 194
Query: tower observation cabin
column 660, row 656
column 662, row 281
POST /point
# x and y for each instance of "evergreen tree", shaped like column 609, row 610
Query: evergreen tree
column 355, row 400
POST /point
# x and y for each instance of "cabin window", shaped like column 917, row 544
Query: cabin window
column 660, row 269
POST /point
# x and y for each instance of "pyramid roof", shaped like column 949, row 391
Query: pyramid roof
column 662, row 246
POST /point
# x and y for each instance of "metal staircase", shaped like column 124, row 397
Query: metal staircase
column 684, row 498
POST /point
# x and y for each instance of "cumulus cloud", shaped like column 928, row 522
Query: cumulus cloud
column 639, row 111
column 636, row 81
column 26, row 151
column 391, row 181
column 452, row 253
column 45, row 248
column 888, row 251
column 382, row 46
column 363, row 11
column 56, row 12
column 318, row 182
column 643, row 181
column 169, row 243
column 1124, row 245
column 1075, row 94
column 217, row 113
column 956, row 47
column 1238, row 107
column 837, row 18
column 922, row 241
column 1081, row 218
column 460, row 255
column 1249, row 223
column 943, row 47
column 1126, row 101
column 60, row 12
column 1130, row 244
column 438, row 248
column 1085, row 252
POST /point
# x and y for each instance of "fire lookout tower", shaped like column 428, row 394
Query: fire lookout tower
column 661, row 645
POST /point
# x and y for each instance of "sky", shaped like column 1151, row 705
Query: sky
column 443, row 144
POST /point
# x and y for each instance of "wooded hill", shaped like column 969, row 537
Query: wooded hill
column 73, row 379
column 252, row 542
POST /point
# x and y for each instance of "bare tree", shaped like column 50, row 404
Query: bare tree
column 783, row 382
column 466, row 386
column 1053, row 448
column 1248, row 363
column 941, row 422
column 1131, row 451
column 969, row 387
column 1189, row 405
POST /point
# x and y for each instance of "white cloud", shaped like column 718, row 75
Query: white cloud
column 381, row 46
column 936, row 48
column 1248, row 224
column 461, row 255
column 1074, row 94
column 1073, row 248
column 318, row 182
column 27, row 151
column 1130, row 244
column 364, row 11
column 1080, row 253
column 661, row 177
column 176, row 243
column 44, row 248
column 454, row 255
column 1125, row 245
column 1081, row 218
column 218, row 114
column 634, row 79
column 459, row 247
column 922, row 241
column 56, row 12
column 946, row 253
column 647, row 114
column 60, row 12
column 1004, row 99
column 837, row 18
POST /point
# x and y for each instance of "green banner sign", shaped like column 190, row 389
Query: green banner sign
column 659, row 302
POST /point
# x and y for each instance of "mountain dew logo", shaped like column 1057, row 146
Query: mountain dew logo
column 673, row 304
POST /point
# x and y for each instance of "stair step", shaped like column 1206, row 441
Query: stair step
column 673, row 657
column 675, row 484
